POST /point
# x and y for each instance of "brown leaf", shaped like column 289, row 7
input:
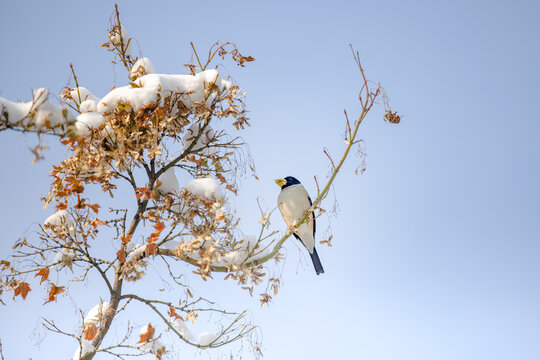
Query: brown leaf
column 96, row 222
column 22, row 289
column 148, row 335
column 151, row 249
column 44, row 273
column 221, row 178
column 90, row 331
column 121, row 256
column 193, row 315
column 55, row 290
column 172, row 313
column 94, row 207
column 155, row 235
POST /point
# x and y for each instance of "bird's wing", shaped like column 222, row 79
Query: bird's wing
column 313, row 216
column 293, row 201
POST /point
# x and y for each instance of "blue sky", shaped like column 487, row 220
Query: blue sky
column 435, row 250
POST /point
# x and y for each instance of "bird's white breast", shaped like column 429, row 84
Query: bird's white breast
column 293, row 201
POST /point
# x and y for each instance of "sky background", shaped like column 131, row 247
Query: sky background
column 435, row 250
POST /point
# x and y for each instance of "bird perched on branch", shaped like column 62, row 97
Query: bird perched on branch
column 293, row 202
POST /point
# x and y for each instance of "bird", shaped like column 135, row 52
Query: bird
column 293, row 202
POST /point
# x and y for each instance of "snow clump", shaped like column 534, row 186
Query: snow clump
column 83, row 350
column 59, row 218
column 96, row 313
column 142, row 67
column 182, row 329
column 206, row 338
column 207, row 188
column 88, row 121
column 169, row 182
column 39, row 112
column 119, row 38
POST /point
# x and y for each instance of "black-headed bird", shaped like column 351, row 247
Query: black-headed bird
column 293, row 202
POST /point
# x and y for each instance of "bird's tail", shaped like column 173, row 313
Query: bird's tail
column 316, row 262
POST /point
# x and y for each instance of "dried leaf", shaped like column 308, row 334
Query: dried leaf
column 96, row 222
column 150, row 249
column 148, row 335
column 55, row 290
column 44, row 273
column 121, row 256
column 172, row 313
column 90, row 331
column 22, row 289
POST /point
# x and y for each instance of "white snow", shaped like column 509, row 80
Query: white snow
column 206, row 138
column 170, row 245
column 149, row 88
column 39, row 112
column 88, row 106
column 88, row 121
column 142, row 67
column 192, row 86
column 96, row 313
column 114, row 36
column 153, row 346
column 181, row 327
column 169, row 182
column 245, row 248
column 206, row 338
column 59, row 218
column 205, row 188
column 130, row 246
column 81, row 94
column 86, row 348
column 63, row 256
column 137, row 250
column 136, row 97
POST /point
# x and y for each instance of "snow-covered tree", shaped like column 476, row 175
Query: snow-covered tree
column 138, row 137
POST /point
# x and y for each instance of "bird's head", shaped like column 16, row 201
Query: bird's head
column 288, row 181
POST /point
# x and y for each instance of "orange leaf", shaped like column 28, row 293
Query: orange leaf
column 90, row 331
column 77, row 187
column 148, row 335
column 94, row 207
column 96, row 222
column 221, row 178
column 126, row 239
column 121, row 256
column 159, row 226
column 61, row 206
column 145, row 193
column 155, row 235
column 44, row 273
column 80, row 203
column 22, row 289
column 55, row 290
column 151, row 249
column 69, row 141
column 172, row 313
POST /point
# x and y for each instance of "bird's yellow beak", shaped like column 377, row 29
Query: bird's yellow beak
column 280, row 182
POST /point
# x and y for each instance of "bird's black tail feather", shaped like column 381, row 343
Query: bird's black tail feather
column 316, row 262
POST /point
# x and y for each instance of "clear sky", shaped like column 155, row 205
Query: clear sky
column 436, row 247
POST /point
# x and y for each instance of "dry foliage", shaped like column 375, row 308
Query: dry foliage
column 134, row 148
